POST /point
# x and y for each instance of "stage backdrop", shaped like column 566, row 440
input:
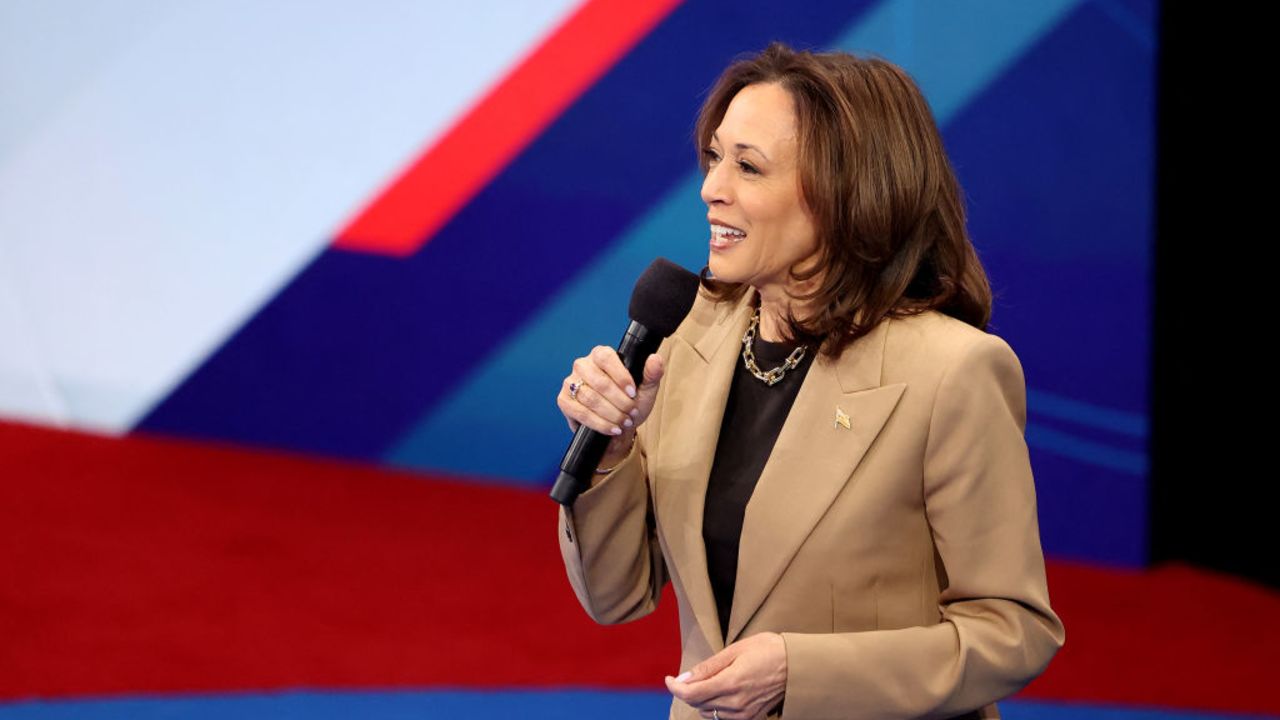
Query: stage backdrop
column 383, row 231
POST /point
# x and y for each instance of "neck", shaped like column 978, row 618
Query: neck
column 772, row 326
column 773, row 315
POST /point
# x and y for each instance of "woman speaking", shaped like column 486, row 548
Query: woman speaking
column 826, row 459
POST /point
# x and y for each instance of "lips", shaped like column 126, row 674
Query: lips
column 725, row 236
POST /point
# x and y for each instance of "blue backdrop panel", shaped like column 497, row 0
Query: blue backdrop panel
column 357, row 348
column 450, row 360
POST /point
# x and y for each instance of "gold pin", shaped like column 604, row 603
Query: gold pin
column 842, row 420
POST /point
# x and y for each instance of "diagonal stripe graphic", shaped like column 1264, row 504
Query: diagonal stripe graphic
column 405, row 215
column 525, row 372
column 348, row 357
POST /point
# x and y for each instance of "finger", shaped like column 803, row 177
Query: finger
column 562, row 399
column 602, row 408
column 598, row 393
column 728, row 709
column 604, row 386
column 647, row 395
column 713, row 665
column 653, row 370
column 683, row 692
column 676, row 688
column 723, row 710
column 607, row 359
column 706, row 693
column 579, row 411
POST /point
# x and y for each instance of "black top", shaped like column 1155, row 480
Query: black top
column 753, row 417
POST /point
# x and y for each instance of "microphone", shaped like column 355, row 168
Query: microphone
column 662, row 298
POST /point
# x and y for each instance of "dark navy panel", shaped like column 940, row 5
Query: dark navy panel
column 347, row 357
column 1058, row 167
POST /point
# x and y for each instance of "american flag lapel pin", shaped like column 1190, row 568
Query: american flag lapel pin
column 842, row 419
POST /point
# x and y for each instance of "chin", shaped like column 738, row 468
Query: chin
column 722, row 271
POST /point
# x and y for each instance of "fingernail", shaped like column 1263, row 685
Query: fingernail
column 628, row 422
column 616, row 430
column 635, row 413
column 631, row 391
column 684, row 676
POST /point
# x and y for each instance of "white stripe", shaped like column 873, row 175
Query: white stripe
column 153, row 205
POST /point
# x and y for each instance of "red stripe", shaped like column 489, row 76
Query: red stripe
column 438, row 184
column 1170, row 636
column 141, row 565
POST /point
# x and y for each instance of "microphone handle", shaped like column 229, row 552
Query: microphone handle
column 588, row 446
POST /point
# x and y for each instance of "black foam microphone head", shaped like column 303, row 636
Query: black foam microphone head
column 663, row 296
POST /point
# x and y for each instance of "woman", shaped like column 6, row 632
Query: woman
column 827, row 458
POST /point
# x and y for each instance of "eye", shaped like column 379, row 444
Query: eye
column 711, row 155
column 748, row 168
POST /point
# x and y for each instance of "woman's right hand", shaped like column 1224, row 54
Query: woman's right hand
column 607, row 400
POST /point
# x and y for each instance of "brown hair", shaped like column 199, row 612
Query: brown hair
column 876, row 180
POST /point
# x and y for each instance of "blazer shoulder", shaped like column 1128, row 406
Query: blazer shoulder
column 705, row 314
column 928, row 343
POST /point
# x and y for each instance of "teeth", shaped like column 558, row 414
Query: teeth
column 727, row 232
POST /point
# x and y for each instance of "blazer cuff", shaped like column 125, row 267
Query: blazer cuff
column 599, row 507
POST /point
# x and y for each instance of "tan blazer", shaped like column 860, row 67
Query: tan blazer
column 899, row 558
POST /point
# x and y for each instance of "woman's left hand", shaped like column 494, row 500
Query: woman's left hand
column 741, row 682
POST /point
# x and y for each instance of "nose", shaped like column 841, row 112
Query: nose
column 715, row 189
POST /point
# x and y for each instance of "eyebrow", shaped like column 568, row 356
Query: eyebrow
column 743, row 146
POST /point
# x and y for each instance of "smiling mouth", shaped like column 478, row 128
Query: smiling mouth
column 723, row 236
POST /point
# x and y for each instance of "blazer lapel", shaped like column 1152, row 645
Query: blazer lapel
column 691, row 426
column 813, row 458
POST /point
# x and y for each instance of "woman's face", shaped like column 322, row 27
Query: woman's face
column 759, row 225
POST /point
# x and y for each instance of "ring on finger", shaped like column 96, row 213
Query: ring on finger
column 715, row 713
column 574, row 387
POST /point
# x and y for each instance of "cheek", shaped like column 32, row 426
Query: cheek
column 804, row 236
column 791, row 231
column 789, row 239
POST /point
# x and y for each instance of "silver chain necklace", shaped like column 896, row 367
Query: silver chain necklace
column 749, row 358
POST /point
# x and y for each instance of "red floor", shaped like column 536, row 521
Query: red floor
column 139, row 564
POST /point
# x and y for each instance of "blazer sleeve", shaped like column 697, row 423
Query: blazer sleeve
column 608, row 538
column 997, row 631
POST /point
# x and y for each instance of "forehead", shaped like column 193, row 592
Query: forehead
column 762, row 115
